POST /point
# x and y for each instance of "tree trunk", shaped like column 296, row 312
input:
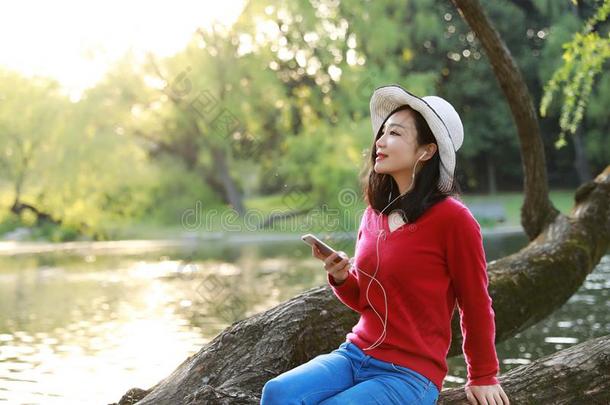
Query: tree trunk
column 232, row 194
column 219, row 179
column 581, row 162
column 537, row 211
column 235, row 365
column 578, row 375
column 491, row 176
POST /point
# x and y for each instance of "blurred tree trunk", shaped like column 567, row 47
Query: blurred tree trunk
column 492, row 184
column 195, row 141
column 537, row 210
column 581, row 161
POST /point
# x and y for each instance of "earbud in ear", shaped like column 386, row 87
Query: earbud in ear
column 423, row 154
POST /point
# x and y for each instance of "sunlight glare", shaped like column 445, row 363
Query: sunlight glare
column 75, row 42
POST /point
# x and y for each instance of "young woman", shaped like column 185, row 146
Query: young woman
column 410, row 268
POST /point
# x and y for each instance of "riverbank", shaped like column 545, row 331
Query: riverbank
column 186, row 240
column 497, row 214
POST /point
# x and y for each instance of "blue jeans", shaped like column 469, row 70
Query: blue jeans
column 349, row 376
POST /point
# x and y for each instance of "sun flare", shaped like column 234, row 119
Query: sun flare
column 75, row 42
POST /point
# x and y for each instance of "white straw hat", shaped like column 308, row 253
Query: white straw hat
column 443, row 120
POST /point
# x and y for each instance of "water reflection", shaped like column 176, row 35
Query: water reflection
column 84, row 328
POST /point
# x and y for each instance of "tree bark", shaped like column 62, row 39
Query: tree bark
column 578, row 375
column 537, row 211
column 234, row 366
column 581, row 161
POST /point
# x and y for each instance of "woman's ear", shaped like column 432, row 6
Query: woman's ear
column 430, row 150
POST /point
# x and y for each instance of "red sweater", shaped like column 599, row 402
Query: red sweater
column 424, row 267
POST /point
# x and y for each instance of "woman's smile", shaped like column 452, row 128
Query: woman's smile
column 380, row 156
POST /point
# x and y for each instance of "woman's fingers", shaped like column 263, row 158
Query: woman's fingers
column 471, row 398
column 316, row 252
column 334, row 263
column 504, row 397
column 334, row 267
column 331, row 261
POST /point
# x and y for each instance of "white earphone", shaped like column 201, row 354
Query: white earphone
column 383, row 321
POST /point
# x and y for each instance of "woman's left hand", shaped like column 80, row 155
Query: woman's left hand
column 486, row 395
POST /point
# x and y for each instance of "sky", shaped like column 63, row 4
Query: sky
column 76, row 41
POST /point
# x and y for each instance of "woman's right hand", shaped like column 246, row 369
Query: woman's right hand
column 339, row 270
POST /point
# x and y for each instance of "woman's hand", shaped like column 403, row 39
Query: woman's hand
column 338, row 270
column 486, row 395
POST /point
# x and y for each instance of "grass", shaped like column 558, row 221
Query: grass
column 512, row 202
column 259, row 207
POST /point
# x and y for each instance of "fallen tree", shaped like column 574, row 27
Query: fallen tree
column 525, row 288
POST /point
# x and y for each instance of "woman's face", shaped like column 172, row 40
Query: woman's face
column 397, row 145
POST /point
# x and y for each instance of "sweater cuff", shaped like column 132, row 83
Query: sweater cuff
column 349, row 283
column 490, row 380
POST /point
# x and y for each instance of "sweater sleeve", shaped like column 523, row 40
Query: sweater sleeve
column 348, row 291
column 467, row 266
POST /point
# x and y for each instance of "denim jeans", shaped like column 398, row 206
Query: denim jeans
column 349, row 376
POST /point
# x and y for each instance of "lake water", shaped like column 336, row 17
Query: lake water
column 96, row 321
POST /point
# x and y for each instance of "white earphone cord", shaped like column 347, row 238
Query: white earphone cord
column 383, row 321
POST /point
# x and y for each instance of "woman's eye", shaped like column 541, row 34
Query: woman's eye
column 394, row 133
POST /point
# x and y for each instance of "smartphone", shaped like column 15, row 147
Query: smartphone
column 326, row 250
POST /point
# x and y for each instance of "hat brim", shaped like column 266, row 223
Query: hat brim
column 386, row 99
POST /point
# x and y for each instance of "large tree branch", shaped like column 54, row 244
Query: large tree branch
column 577, row 375
column 525, row 287
column 538, row 210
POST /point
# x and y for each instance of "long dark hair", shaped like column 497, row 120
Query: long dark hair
column 425, row 192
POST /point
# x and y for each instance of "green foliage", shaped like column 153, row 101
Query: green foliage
column 325, row 159
column 66, row 159
column 9, row 223
column 176, row 190
column 144, row 145
column 55, row 233
column 583, row 59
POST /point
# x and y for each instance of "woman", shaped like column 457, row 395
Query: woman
column 409, row 269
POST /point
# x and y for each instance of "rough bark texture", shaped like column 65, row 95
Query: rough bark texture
column 577, row 375
column 525, row 287
column 538, row 210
